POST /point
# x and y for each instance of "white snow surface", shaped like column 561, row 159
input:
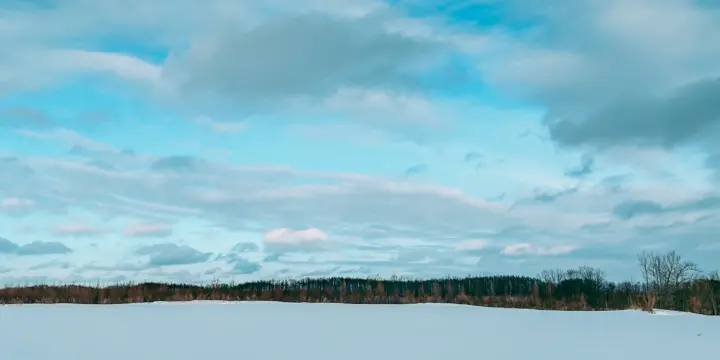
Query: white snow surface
column 265, row 330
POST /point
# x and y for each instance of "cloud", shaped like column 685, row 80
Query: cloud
column 530, row 249
column 688, row 115
column 76, row 231
column 33, row 248
column 172, row 254
column 245, row 267
column 283, row 240
column 586, row 168
column 148, row 230
column 43, row 248
column 178, row 163
column 221, row 126
column 306, row 55
column 474, row 156
column 245, row 247
column 632, row 208
column 23, row 117
column 614, row 81
column 16, row 204
column 252, row 198
column 416, row 170
column 473, row 245
column 547, row 197
column 7, row 246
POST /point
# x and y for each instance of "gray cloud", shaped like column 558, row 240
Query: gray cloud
column 308, row 55
column 178, row 162
column 629, row 209
column 688, row 115
column 416, row 170
column 244, row 267
column 33, row 248
column 172, row 254
column 7, row 246
column 475, row 158
column 270, row 258
column 43, row 248
column 54, row 264
column 614, row 183
column 245, row 247
column 609, row 78
column 586, row 168
column 548, row 197
column 23, row 117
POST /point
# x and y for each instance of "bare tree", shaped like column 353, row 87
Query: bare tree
column 711, row 290
column 554, row 276
column 644, row 260
column 665, row 273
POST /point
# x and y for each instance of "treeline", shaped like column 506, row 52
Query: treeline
column 669, row 282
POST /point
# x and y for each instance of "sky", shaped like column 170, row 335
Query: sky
column 238, row 140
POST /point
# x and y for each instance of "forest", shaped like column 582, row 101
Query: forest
column 668, row 282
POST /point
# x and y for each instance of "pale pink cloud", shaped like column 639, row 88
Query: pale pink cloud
column 477, row 244
column 76, row 230
column 12, row 204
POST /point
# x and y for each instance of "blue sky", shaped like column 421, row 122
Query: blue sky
column 189, row 140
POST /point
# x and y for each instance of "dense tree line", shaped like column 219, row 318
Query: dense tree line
column 669, row 282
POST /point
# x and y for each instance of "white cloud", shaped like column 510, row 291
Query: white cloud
column 477, row 244
column 294, row 237
column 530, row 249
column 220, row 126
column 16, row 204
column 121, row 65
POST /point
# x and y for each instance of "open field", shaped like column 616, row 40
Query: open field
column 267, row 330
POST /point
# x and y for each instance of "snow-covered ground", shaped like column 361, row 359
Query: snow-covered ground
column 255, row 331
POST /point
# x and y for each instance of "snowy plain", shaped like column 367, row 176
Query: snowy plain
column 264, row 330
